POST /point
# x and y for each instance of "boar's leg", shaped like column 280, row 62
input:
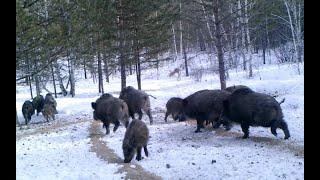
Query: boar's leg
column 181, row 117
column 227, row 125
column 106, row 125
column 116, row 125
column 149, row 115
column 213, row 118
column 199, row 125
column 166, row 116
column 138, row 153
column 274, row 129
column 245, row 130
column 224, row 121
column 145, row 150
column 140, row 114
column 26, row 121
column 216, row 124
column 29, row 119
column 284, row 127
column 131, row 114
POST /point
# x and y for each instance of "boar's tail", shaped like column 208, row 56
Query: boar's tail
column 152, row 96
column 282, row 101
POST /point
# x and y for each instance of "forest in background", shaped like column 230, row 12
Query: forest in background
column 55, row 38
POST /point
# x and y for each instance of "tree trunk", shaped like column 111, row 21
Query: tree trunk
column 72, row 79
column 185, row 59
column 218, row 44
column 106, row 70
column 174, row 42
column 130, row 68
column 70, row 53
column 53, row 81
column 207, row 21
column 243, row 35
column 122, row 70
column 292, row 30
column 157, row 65
column 201, row 41
column 30, row 88
column 264, row 53
column 180, row 22
column 100, row 78
column 37, row 85
column 60, row 80
column 84, row 68
column 138, row 72
column 121, row 46
column 137, row 58
column 36, row 79
column 249, row 44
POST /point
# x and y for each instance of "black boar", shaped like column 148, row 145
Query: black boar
column 101, row 98
column 136, row 100
column 48, row 111
column 50, row 100
column 236, row 87
column 27, row 111
column 175, row 108
column 111, row 110
column 254, row 109
column 105, row 96
column 136, row 137
column 38, row 103
column 206, row 105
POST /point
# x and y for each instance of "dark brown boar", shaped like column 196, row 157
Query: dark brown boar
column 38, row 103
column 136, row 137
column 254, row 109
column 137, row 101
column 111, row 110
column 236, row 87
column 27, row 111
column 206, row 105
column 48, row 111
column 175, row 108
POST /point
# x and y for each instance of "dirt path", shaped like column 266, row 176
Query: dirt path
column 107, row 154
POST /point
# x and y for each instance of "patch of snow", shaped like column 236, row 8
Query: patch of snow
column 63, row 154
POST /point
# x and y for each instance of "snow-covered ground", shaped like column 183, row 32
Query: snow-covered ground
column 62, row 154
column 175, row 151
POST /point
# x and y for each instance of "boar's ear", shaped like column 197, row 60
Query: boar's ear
column 93, row 105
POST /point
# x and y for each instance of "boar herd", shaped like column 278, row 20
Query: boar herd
column 131, row 101
column 47, row 106
column 236, row 104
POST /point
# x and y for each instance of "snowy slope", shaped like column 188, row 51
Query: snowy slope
column 212, row 154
